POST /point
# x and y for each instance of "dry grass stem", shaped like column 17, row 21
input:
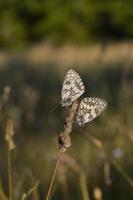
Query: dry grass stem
column 64, row 141
column 10, row 175
column 114, row 162
column 107, row 177
column 53, row 177
column 74, row 165
column 64, row 138
column 62, row 179
column 11, row 145
column 96, row 142
column 2, row 194
column 35, row 192
column 31, row 190
column 122, row 172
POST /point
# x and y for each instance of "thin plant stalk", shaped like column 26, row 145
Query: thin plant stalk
column 122, row 172
column 114, row 162
column 11, row 145
column 74, row 165
column 10, row 175
column 83, row 185
column 2, row 193
column 64, row 141
column 53, row 177
column 31, row 190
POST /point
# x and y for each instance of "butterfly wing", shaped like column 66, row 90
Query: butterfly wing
column 89, row 109
column 72, row 89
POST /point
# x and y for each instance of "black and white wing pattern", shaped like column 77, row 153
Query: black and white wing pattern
column 90, row 108
column 72, row 89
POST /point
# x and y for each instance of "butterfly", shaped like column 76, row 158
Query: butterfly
column 89, row 109
column 72, row 89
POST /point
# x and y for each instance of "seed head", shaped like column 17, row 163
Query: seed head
column 9, row 134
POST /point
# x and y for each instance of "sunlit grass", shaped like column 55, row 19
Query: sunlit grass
column 29, row 92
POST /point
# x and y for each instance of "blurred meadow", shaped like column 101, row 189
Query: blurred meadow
column 39, row 42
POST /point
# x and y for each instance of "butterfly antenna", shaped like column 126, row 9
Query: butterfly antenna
column 54, row 109
column 50, row 112
column 83, row 131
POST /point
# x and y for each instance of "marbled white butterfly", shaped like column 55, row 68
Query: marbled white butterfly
column 72, row 89
column 90, row 108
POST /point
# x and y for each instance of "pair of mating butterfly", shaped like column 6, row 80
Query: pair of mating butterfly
column 72, row 89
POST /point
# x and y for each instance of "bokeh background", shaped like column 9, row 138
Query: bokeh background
column 39, row 42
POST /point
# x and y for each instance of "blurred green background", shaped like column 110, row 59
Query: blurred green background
column 64, row 21
column 39, row 41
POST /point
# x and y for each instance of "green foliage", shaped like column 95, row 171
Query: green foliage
column 60, row 21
